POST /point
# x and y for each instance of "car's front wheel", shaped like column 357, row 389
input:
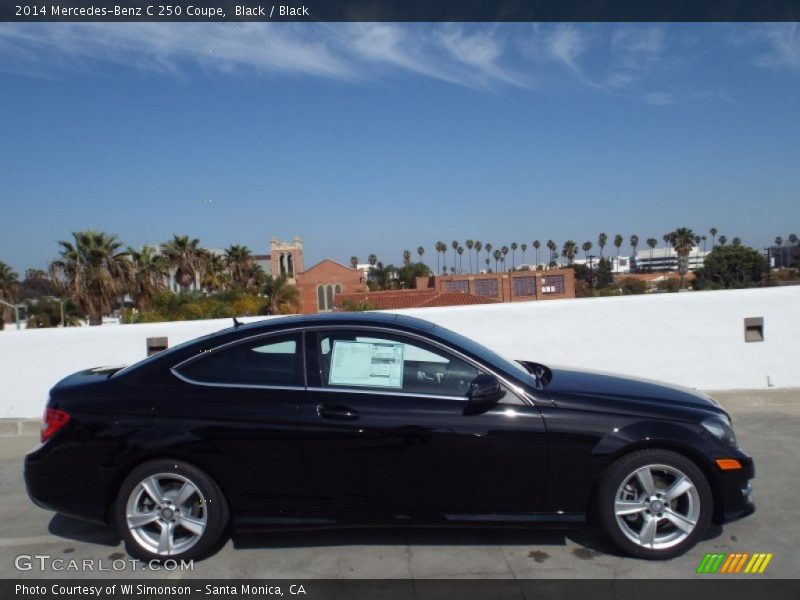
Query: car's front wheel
column 170, row 509
column 654, row 503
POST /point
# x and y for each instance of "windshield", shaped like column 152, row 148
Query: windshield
column 483, row 353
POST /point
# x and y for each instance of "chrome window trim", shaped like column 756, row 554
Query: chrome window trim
column 521, row 394
column 380, row 392
column 267, row 334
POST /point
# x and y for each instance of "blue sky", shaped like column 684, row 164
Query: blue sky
column 380, row 137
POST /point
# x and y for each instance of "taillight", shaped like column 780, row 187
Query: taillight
column 54, row 419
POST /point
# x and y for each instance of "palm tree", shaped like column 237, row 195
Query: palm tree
column 524, row 248
column 551, row 245
column 240, row 264
column 460, row 251
column 487, row 261
column 406, row 257
column 702, row 237
column 384, row 276
column 723, row 240
column 713, row 232
column 667, row 237
column 618, row 239
column 9, row 288
column 184, row 256
column 282, row 298
column 586, row 247
column 682, row 240
column 536, row 245
column 737, row 241
column 470, row 244
column 216, row 275
column 454, row 244
column 514, row 247
column 602, row 240
column 478, row 248
column 440, row 249
column 779, row 241
column 150, row 272
column 488, row 248
column 793, row 239
column 420, row 251
column 354, row 262
column 568, row 252
column 634, row 244
column 93, row 272
column 503, row 252
column 652, row 243
column 496, row 254
column 372, row 259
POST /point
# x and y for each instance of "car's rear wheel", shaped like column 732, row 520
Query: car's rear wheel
column 654, row 503
column 170, row 509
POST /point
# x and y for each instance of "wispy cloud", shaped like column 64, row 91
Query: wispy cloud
column 623, row 60
column 779, row 46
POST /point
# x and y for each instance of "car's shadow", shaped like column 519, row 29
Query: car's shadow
column 83, row 531
column 591, row 541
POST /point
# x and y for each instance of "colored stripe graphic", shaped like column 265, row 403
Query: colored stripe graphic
column 733, row 563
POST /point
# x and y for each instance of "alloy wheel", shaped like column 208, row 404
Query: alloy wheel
column 166, row 514
column 657, row 506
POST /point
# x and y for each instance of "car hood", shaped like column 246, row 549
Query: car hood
column 562, row 382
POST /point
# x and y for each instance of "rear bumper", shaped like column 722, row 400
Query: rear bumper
column 65, row 496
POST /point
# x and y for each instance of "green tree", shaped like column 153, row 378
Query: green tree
column 536, row 245
column 282, row 298
column 586, row 247
column 351, row 305
column 569, row 250
column 602, row 240
column 496, row 254
column 150, row 272
column 723, row 240
column 9, row 291
column 184, row 255
column 731, row 267
column 460, row 251
column 421, row 252
column 604, row 276
column 478, row 248
column 713, row 232
column 682, row 240
column 440, row 249
column 652, row 243
column 488, row 248
column 407, row 274
column 406, row 257
column 514, row 247
column 354, row 262
column 470, row 244
column 618, row 239
column 551, row 245
column 631, row 286
column 93, row 271
column 524, row 248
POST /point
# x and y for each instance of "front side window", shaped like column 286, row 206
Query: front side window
column 391, row 363
column 268, row 361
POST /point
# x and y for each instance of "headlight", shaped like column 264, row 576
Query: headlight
column 721, row 429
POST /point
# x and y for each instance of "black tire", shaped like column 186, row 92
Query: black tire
column 209, row 502
column 620, row 471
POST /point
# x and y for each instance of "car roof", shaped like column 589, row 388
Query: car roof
column 362, row 318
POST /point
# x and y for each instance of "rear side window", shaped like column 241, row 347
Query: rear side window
column 271, row 361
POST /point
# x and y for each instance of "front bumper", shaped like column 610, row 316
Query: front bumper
column 735, row 499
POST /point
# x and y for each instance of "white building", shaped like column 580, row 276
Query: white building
column 621, row 264
column 666, row 259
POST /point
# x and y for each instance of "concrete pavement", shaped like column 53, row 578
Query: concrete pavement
column 767, row 425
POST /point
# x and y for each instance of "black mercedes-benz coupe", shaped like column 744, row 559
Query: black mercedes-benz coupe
column 353, row 419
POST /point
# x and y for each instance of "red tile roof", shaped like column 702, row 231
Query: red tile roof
column 396, row 299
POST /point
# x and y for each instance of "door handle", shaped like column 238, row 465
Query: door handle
column 340, row 413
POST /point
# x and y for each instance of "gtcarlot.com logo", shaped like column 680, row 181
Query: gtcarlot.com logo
column 732, row 563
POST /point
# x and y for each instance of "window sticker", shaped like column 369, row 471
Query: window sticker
column 367, row 364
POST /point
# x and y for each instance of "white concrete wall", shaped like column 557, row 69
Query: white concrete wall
column 694, row 339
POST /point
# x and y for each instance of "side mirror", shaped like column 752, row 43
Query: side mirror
column 484, row 391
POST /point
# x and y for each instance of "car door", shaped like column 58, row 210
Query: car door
column 384, row 431
column 240, row 402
